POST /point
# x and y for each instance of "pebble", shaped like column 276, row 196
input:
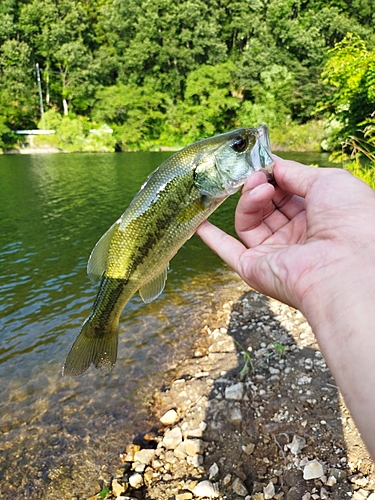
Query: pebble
column 331, row 481
column 172, row 438
column 213, row 470
column 234, row 392
column 136, row 481
column 183, row 496
column 269, row 491
column 180, row 451
column 227, row 479
column 239, row 488
column 117, row 488
column 324, row 494
column 235, row 415
column 169, row 418
column 194, row 447
column 297, row 444
column 313, row 470
column 206, row 489
column 144, row 456
column 360, row 494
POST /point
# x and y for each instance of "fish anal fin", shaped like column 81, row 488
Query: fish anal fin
column 96, row 265
column 151, row 290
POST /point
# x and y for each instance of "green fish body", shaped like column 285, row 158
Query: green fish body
column 134, row 254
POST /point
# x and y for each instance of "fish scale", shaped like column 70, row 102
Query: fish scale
column 134, row 254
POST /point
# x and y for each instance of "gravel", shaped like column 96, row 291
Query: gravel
column 253, row 414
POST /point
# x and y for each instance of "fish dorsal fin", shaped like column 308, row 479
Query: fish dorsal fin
column 151, row 290
column 96, row 265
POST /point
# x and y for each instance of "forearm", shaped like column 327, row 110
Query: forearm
column 342, row 318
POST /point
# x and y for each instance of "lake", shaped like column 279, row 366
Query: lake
column 69, row 431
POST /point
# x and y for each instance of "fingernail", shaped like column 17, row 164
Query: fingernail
column 256, row 189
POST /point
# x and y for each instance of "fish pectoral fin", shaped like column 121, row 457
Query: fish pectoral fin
column 151, row 290
column 96, row 265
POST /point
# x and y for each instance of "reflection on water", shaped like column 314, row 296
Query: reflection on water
column 57, row 432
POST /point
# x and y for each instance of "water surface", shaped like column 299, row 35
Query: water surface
column 57, row 433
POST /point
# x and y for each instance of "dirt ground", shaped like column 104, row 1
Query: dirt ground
column 255, row 415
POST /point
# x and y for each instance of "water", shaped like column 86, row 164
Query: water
column 56, row 433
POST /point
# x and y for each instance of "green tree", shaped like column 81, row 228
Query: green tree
column 350, row 73
column 18, row 91
column 59, row 31
column 137, row 114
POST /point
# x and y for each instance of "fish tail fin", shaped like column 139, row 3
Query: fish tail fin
column 90, row 348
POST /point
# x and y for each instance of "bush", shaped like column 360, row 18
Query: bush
column 297, row 137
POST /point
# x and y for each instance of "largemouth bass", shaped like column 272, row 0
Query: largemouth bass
column 134, row 254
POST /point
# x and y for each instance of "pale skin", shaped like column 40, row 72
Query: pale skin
column 310, row 242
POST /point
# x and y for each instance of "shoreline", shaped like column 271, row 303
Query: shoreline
column 253, row 413
column 160, row 149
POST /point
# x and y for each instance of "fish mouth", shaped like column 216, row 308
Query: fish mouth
column 260, row 156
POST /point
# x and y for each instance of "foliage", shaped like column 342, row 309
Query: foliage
column 7, row 139
column 291, row 136
column 171, row 71
column 364, row 172
column 350, row 71
column 362, row 161
column 75, row 134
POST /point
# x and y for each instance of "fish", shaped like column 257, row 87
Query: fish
column 134, row 254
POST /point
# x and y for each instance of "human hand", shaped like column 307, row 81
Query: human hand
column 299, row 235
column 310, row 242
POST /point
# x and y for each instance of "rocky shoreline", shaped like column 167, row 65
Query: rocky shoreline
column 253, row 414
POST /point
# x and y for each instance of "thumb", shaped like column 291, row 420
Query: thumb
column 296, row 178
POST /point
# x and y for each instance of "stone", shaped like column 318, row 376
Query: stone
column 213, row 470
column 297, row 444
column 172, row 438
column 194, row 433
column 360, row 481
column 144, row 456
column 130, row 449
column 295, row 493
column 206, row 489
column 360, row 494
column 235, row 416
column 239, row 488
column 180, row 451
column 184, row 496
column 249, row 448
column 117, row 488
column 331, row 481
column 269, row 491
column 138, row 467
column 195, row 461
column 136, row 481
column 194, row 447
column 227, row 479
column 324, row 494
column 234, row 392
column 313, row 470
column 169, row 418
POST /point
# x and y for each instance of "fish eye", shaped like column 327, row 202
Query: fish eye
column 240, row 144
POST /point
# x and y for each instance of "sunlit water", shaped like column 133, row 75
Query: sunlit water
column 56, row 433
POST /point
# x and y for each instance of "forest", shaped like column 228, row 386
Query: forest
column 146, row 74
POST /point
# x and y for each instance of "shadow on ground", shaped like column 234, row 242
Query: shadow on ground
column 255, row 414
